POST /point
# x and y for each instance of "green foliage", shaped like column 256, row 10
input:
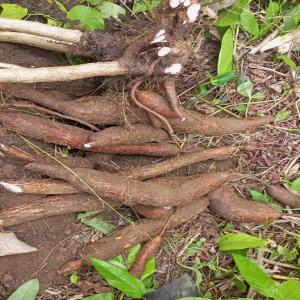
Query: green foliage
column 289, row 255
column 27, row 291
column 193, row 298
column 287, row 60
column 119, row 278
column 232, row 15
column 291, row 20
column 256, row 277
column 290, row 290
column 74, row 278
column 282, row 115
column 226, row 53
column 245, row 89
column 144, row 5
column 132, row 253
column 220, row 80
column 90, row 18
column 13, row 11
column 295, row 185
column 249, row 22
column 235, row 241
column 259, row 197
column 102, row 296
column 272, row 11
column 95, row 222
column 111, row 10
column 195, row 247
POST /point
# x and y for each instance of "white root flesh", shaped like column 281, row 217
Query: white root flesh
column 11, row 245
column 65, row 73
column 8, row 66
column 57, row 33
column 35, row 41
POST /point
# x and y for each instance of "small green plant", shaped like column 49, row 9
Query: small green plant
column 26, row 291
column 13, row 11
column 255, row 276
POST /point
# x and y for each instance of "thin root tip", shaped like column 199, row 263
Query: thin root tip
column 88, row 145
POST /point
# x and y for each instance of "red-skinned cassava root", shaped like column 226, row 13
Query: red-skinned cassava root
column 195, row 122
column 51, row 206
column 75, row 137
column 232, row 208
column 160, row 168
column 118, row 187
column 122, row 240
column 284, row 196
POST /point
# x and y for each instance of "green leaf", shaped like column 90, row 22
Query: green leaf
column 90, row 18
column 287, row 60
column 240, row 299
column 226, row 53
column 111, row 10
column 288, row 255
column 27, row 291
column 144, row 5
column 132, row 253
column 235, row 241
column 222, row 79
column 289, row 290
column 272, row 10
column 119, row 278
column 95, row 222
column 256, row 277
column 245, row 88
column 118, row 261
column 74, row 278
column 13, row 11
column 195, row 247
column 61, row 6
column 259, row 197
column 149, row 268
column 295, row 185
column 282, row 115
column 249, row 22
column 232, row 15
column 241, row 107
column 102, row 296
column 291, row 20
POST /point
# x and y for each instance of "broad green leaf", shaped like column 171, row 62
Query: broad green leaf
column 272, row 10
column 149, row 268
column 119, row 278
column 61, row 6
column 102, row 296
column 90, row 18
column 144, row 5
column 249, row 22
column 111, row 10
column 289, row 290
column 240, row 299
column 235, row 241
column 222, row 79
column 287, row 60
column 226, row 53
column 282, row 115
column 256, row 277
column 13, row 11
column 95, row 222
column 74, row 278
column 232, row 15
column 245, row 88
column 295, row 185
column 240, row 284
column 259, row 197
column 132, row 253
column 118, row 261
column 27, row 291
column 291, row 20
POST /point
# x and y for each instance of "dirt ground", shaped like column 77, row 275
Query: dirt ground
column 59, row 239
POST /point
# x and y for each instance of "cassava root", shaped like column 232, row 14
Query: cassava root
column 232, row 208
column 284, row 196
column 122, row 240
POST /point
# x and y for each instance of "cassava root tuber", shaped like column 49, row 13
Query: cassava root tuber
column 284, row 196
column 232, row 208
column 122, row 240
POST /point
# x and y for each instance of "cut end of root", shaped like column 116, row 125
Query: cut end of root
column 193, row 12
column 11, row 187
column 88, row 145
column 173, row 69
column 164, row 51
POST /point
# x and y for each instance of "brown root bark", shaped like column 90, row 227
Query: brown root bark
column 51, row 206
column 130, row 191
column 284, row 196
column 195, row 122
column 122, row 240
column 160, row 168
column 152, row 212
column 232, row 208
column 134, row 134
column 38, row 186
column 10, row 151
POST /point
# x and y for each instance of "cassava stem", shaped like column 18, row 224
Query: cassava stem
column 122, row 240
